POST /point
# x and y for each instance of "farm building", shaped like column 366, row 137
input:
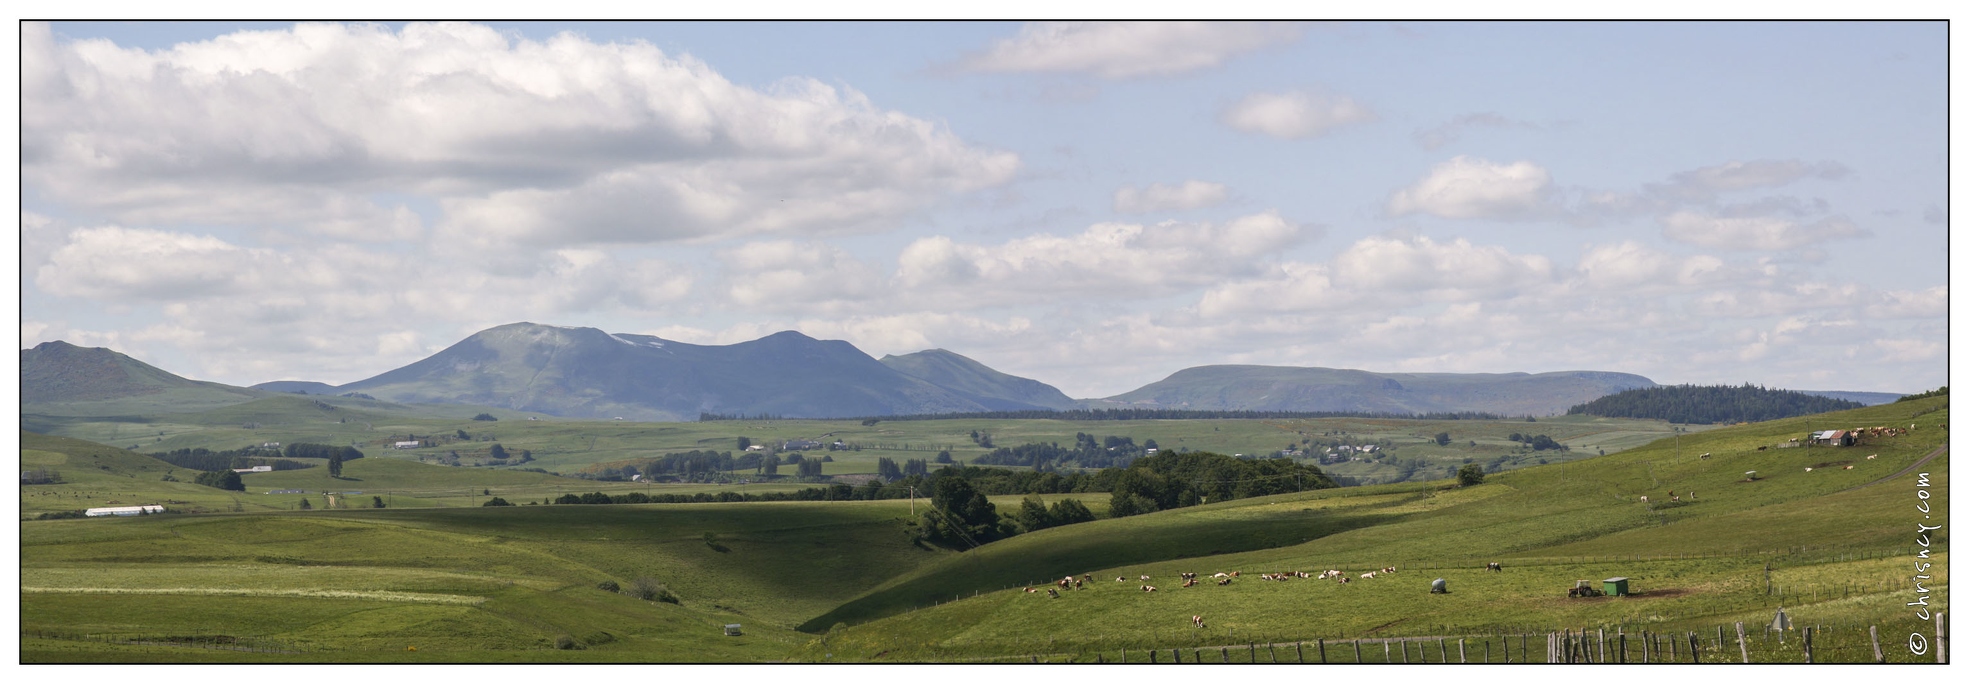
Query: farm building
column 799, row 444
column 255, row 469
column 1614, row 586
column 1832, row 438
column 124, row 510
column 407, row 445
column 732, row 630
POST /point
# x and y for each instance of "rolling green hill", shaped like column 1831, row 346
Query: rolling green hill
column 510, row 584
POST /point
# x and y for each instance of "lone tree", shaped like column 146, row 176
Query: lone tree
column 1472, row 474
column 484, row 416
column 499, row 452
column 1442, row 439
column 335, row 464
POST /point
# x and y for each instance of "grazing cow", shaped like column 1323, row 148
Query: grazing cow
column 1197, row 621
column 1808, row 470
column 1495, row 567
column 1761, row 448
column 1367, row 575
column 1872, row 456
column 1692, row 495
column 1145, row 578
column 1147, row 588
column 1089, row 577
column 1076, row 584
column 1234, row 573
column 1031, row 590
column 1189, row 583
column 1705, row 455
column 1224, row 582
column 1849, row 467
column 1675, row 498
column 1120, row 579
column 1387, row 570
column 1644, row 498
column 1053, row 593
column 1220, row 575
column 1344, row 580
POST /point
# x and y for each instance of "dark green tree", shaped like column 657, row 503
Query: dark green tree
column 499, row 452
column 378, row 501
column 495, row 501
column 484, row 416
column 335, row 464
column 943, row 456
column 1470, row 475
column 744, row 443
column 1442, row 439
column 1033, row 515
column 223, row 479
column 1071, row 511
column 960, row 517
column 462, row 435
column 305, row 505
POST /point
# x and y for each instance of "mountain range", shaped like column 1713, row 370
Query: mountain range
column 589, row 373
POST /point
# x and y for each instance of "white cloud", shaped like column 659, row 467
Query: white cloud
column 1192, row 194
column 1126, row 49
column 1293, row 115
column 1468, row 187
column 121, row 264
column 1419, row 264
column 783, row 275
column 1630, row 265
column 1382, row 273
column 534, row 142
column 1106, row 258
column 1754, row 232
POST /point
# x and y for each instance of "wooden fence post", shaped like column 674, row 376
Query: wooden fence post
column 1622, row 636
column 1741, row 646
column 1874, row 631
column 1152, row 656
column 1357, row 650
column 1124, row 654
column 1404, row 651
column 1460, row 657
column 1808, row 644
column 1941, row 637
column 1322, row 647
column 1603, row 645
column 1695, row 650
column 1442, row 646
column 1272, row 651
column 1299, row 648
column 1223, row 652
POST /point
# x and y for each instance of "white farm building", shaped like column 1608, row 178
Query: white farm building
column 123, row 510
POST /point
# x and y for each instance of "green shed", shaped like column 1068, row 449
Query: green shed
column 1615, row 586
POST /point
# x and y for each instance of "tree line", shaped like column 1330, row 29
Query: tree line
column 1087, row 452
column 212, row 461
column 1157, row 414
column 1710, row 404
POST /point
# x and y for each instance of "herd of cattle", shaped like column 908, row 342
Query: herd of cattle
column 1190, row 579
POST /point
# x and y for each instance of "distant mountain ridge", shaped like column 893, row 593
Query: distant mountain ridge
column 590, row 373
column 1292, row 388
column 585, row 372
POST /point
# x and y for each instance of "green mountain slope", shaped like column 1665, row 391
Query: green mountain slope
column 58, row 378
column 977, row 382
column 584, row 372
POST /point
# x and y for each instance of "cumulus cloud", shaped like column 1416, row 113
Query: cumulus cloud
column 1107, row 257
column 780, row 274
column 1293, row 115
column 1754, row 232
column 535, row 142
column 1468, row 187
column 1192, row 194
column 1631, row 265
column 1382, row 272
column 1127, row 49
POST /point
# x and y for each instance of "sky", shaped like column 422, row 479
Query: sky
column 1092, row 205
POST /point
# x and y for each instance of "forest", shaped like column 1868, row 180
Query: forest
column 1710, row 404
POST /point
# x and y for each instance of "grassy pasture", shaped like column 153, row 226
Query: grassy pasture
column 567, row 445
column 505, row 584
